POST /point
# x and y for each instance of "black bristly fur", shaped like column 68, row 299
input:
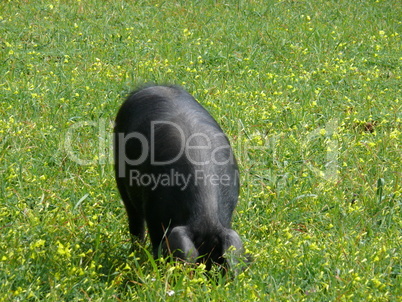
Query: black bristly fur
column 193, row 222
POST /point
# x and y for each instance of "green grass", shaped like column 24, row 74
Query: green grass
column 309, row 93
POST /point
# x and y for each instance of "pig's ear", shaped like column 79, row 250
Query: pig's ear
column 180, row 244
column 232, row 248
column 231, row 238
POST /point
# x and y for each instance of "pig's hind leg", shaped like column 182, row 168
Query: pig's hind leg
column 135, row 214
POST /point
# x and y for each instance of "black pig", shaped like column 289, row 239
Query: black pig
column 175, row 170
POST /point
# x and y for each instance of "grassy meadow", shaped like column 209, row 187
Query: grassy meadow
column 308, row 92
